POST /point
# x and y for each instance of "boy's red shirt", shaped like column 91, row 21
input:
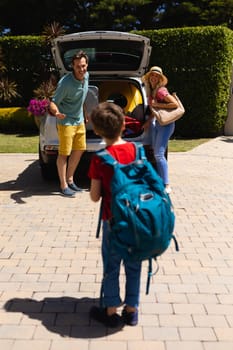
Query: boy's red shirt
column 124, row 153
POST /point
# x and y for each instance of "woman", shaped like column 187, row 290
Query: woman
column 159, row 97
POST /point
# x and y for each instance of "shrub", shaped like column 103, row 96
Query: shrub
column 17, row 120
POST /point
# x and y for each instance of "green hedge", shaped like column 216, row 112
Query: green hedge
column 17, row 120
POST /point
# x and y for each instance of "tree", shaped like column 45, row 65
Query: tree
column 31, row 16
column 196, row 13
column 125, row 15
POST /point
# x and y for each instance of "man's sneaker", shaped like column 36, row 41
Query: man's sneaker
column 100, row 315
column 75, row 188
column 67, row 192
column 130, row 318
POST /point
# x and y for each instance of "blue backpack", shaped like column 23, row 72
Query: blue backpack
column 143, row 216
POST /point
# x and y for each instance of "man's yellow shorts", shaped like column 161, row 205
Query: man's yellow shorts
column 71, row 138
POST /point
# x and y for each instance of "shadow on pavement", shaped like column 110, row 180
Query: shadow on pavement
column 29, row 183
column 66, row 316
column 227, row 139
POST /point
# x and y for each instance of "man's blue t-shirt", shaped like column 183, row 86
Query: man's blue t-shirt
column 69, row 96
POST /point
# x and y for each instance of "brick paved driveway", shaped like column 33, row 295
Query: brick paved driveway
column 50, row 264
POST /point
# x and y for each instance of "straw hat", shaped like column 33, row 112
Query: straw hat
column 158, row 70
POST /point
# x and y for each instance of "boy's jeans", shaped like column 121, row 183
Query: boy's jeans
column 111, row 287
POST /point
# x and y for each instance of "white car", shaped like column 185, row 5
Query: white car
column 117, row 60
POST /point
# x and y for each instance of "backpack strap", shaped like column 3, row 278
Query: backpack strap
column 106, row 157
column 150, row 273
column 176, row 243
column 140, row 152
column 99, row 219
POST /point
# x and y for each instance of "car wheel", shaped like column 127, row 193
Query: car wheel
column 80, row 175
column 48, row 170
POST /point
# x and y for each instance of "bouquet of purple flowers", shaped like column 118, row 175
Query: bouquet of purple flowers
column 38, row 107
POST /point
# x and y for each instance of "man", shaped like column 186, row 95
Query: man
column 68, row 106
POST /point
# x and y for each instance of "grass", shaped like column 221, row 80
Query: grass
column 29, row 144
column 18, row 143
column 181, row 145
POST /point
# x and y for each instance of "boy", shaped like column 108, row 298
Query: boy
column 108, row 122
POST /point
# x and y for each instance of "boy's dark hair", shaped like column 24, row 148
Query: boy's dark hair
column 107, row 119
column 80, row 55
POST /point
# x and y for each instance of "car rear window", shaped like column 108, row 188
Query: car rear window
column 104, row 55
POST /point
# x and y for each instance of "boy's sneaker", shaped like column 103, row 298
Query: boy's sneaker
column 130, row 318
column 100, row 314
column 67, row 192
